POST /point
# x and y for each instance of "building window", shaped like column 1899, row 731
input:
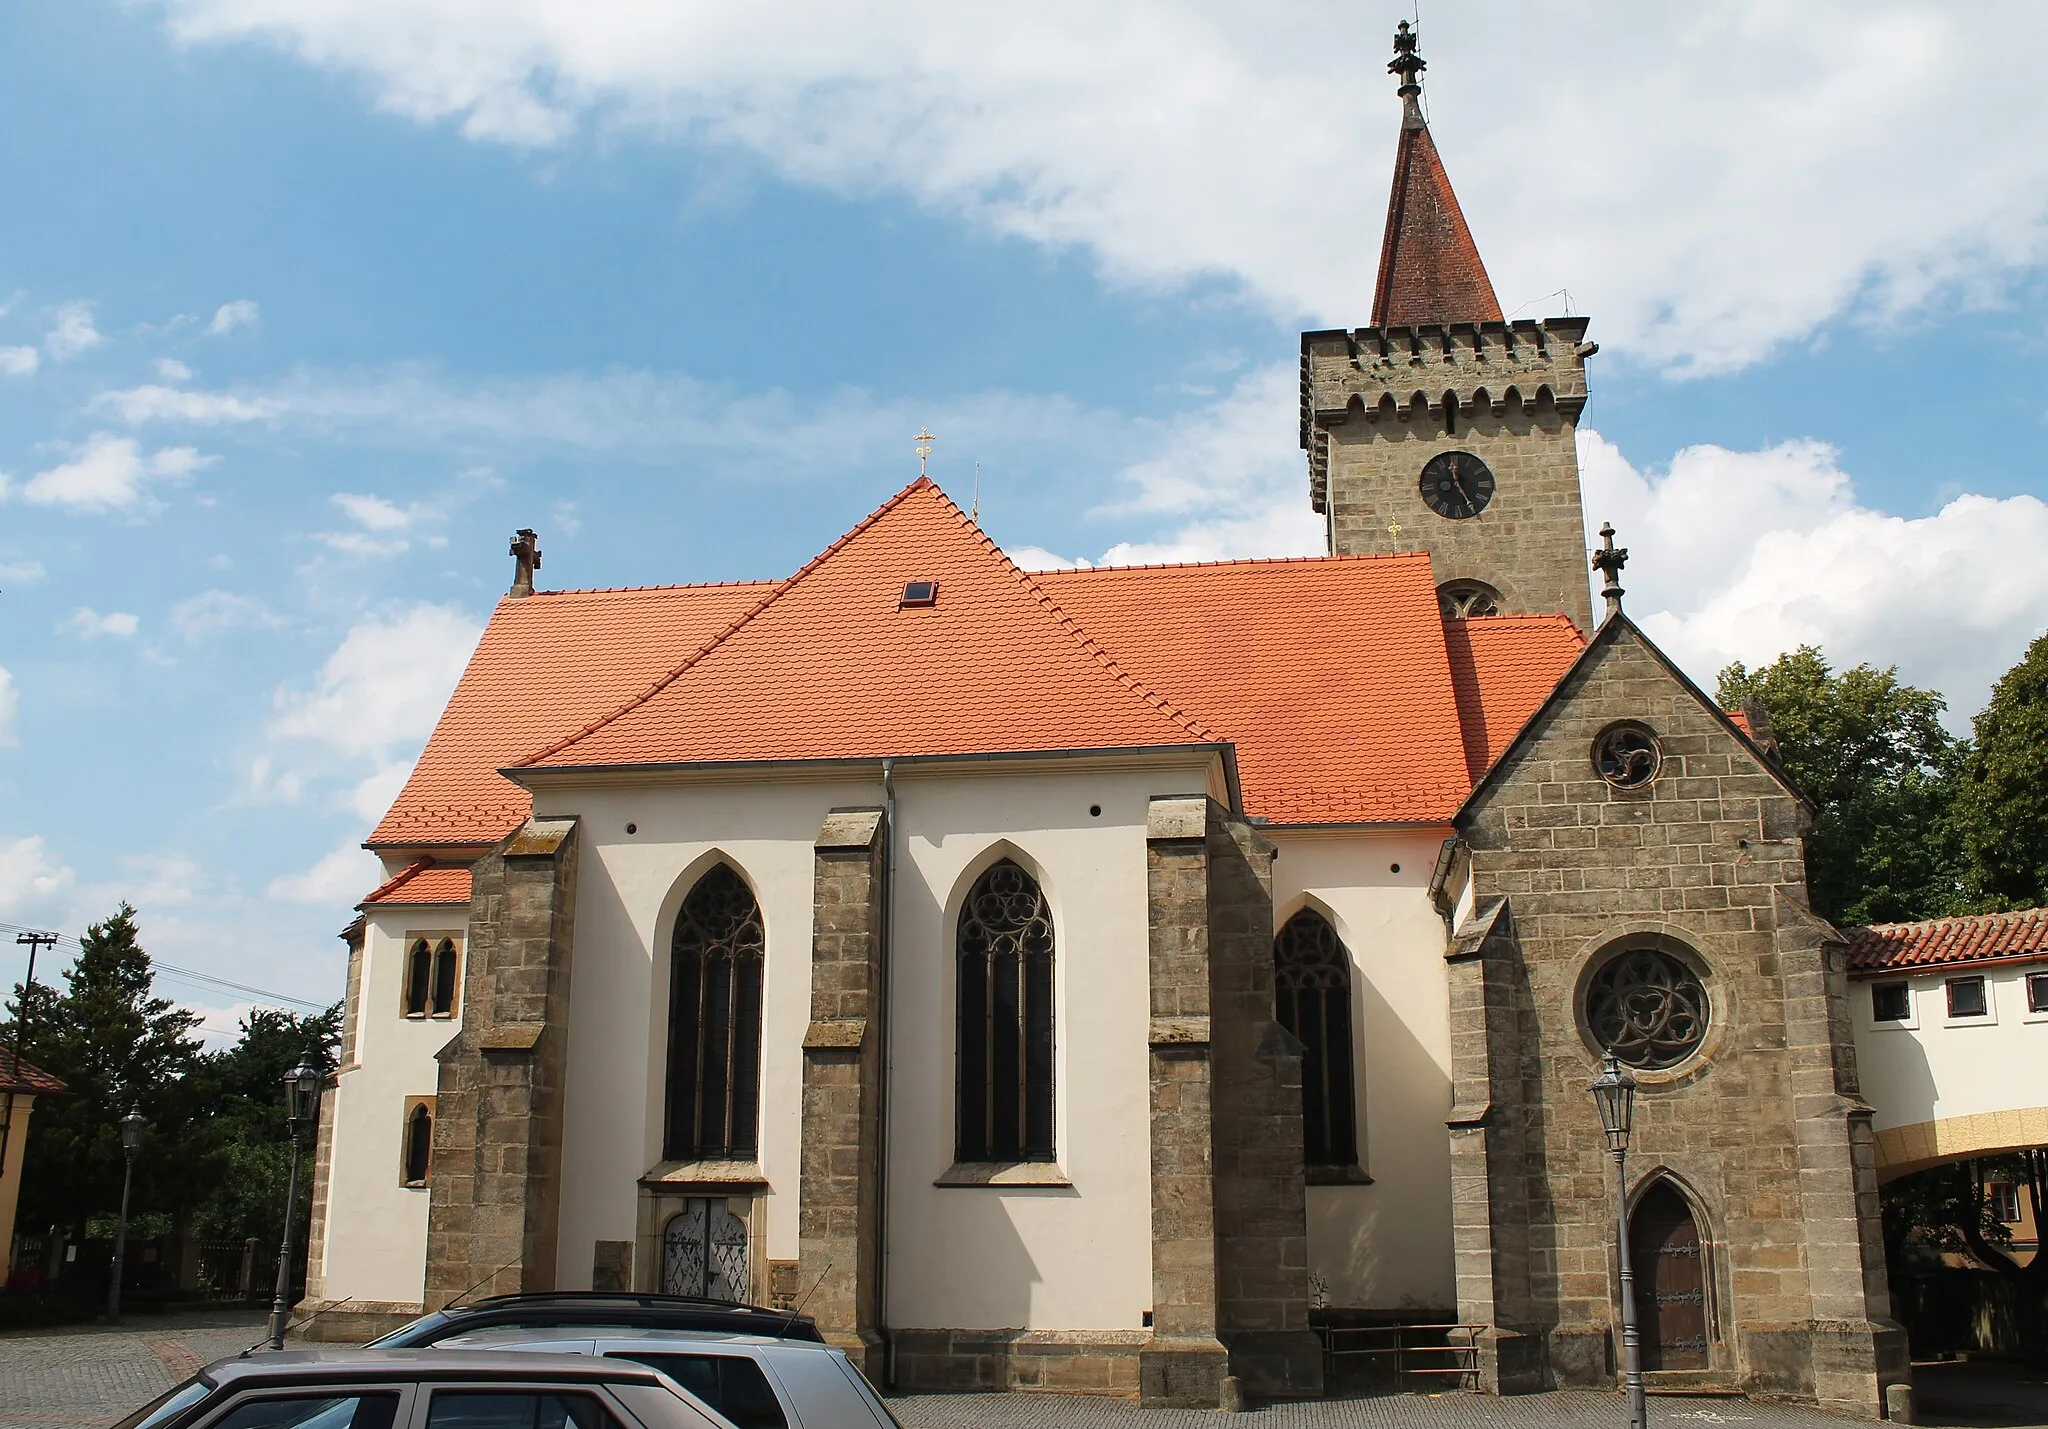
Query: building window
column 1627, row 754
column 1312, row 999
column 1966, row 997
column 2037, row 992
column 1005, row 1045
column 714, row 1023
column 1891, row 1001
column 2004, row 1199
column 1460, row 600
column 1647, row 1007
column 417, row 1158
column 419, row 977
column 446, row 976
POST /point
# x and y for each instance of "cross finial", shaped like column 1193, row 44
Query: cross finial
column 1609, row 560
column 1408, row 65
column 924, row 447
column 526, row 558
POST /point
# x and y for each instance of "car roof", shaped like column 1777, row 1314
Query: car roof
column 329, row 1364
column 621, row 1335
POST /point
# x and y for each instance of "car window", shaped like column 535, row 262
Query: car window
column 175, row 1400
column 515, row 1409
column 373, row 1410
column 731, row 1384
column 828, row 1390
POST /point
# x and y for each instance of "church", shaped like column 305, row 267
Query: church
column 1100, row 980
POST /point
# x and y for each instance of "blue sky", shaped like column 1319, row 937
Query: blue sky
column 308, row 304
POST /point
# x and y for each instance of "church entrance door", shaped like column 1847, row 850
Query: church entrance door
column 704, row 1251
column 1671, row 1300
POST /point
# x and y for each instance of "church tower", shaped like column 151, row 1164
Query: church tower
column 1442, row 427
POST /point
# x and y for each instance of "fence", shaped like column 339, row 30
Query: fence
column 50, row 1276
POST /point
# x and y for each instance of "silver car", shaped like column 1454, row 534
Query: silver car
column 755, row 1381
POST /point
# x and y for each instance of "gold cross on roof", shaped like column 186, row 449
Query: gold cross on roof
column 1394, row 529
column 924, row 447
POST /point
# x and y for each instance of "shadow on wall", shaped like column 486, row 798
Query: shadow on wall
column 1894, row 1074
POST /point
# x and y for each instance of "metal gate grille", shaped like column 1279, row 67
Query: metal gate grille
column 704, row 1251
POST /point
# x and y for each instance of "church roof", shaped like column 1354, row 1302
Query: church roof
column 424, row 884
column 837, row 663
column 1503, row 667
column 1429, row 266
column 1945, row 942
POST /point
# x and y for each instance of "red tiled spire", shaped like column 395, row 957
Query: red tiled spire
column 1429, row 266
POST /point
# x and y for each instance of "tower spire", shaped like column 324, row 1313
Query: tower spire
column 1429, row 266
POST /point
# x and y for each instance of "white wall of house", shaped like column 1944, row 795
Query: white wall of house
column 1932, row 1067
column 376, row 1240
column 1387, row 1245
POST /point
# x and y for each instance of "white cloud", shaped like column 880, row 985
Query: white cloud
column 154, row 403
column 1742, row 555
column 1735, row 174
column 73, row 332
column 21, row 572
column 10, row 706
column 374, row 513
column 172, row 370
column 217, row 610
column 19, row 361
column 342, row 876
column 374, row 702
column 88, row 624
column 109, row 473
column 229, row 316
column 30, row 881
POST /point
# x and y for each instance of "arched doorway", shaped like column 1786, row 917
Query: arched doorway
column 1671, row 1280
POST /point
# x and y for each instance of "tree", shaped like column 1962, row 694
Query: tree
column 249, row 1129
column 2001, row 809
column 1949, row 1208
column 1870, row 751
column 116, row 1045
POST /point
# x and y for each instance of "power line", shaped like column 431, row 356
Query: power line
column 193, row 976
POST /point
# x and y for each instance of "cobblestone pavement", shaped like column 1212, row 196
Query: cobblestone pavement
column 88, row 1377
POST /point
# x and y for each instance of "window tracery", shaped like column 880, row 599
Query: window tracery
column 1647, row 1007
column 1004, row 1046
column 1312, row 997
column 714, row 1022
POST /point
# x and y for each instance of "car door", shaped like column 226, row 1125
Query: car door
column 730, row 1381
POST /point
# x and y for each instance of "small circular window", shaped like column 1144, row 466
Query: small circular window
column 1627, row 755
column 1647, row 1007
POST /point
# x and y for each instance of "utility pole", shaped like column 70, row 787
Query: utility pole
column 34, row 942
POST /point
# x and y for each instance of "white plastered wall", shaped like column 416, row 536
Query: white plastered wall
column 1933, row 1067
column 376, row 1242
column 1384, row 1246
column 1075, row 1257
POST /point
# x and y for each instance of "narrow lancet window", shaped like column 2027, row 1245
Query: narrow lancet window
column 1312, row 993
column 1005, row 1046
column 444, row 978
column 419, row 1144
column 714, row 1023
column 419, row 975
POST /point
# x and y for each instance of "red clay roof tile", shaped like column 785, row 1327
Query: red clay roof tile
column 1503, row 667
column 17, row 1075
column 425, row 883
column 1939, row 942
column 1429, row 266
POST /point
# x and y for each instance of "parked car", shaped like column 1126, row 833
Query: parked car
column 755, row 1381
column 596, row 1310
column 424, row 1389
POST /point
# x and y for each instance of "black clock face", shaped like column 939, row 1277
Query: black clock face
column 1457, row 485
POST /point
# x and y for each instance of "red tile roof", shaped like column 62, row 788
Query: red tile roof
column 1429, row 266
column 1503, row 667
column 547, row 663
column 1329, row 675
column 17, row 1075
column 1941, row 942
column 829, row 665
column 424, row 884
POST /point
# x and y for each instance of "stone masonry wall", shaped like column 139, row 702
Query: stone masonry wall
column 839, row 1229
column 1763, row 1132
column 495, row 1184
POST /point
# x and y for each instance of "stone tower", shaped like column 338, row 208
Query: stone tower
column 1442, row 427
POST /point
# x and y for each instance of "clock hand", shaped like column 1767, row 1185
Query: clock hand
column 1471, row 506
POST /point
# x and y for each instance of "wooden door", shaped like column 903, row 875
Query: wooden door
column 1671, row 1301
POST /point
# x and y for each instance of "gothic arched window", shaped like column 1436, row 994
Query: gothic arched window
column 445, row 959
column 1312, row 999
column 1462, row 599
column 419, row 977
column 419, row 1144
column 714, row 1023
column 1005, row 1045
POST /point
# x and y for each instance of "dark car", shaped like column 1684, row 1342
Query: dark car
column 424, row 1389
column 599, row 1310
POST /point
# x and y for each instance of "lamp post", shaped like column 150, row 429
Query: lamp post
column 302, row 1087
column 131, row 1142
column 1614, row 1092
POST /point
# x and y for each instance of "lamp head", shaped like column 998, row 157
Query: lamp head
column 131, row 1129
column 303, row 1085
column 1614, row 1092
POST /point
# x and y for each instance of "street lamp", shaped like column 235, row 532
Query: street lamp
column 1614, row 1092
column 302, row 1087
column 131, row 1142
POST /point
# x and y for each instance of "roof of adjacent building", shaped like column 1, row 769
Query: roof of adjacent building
column 1345, row 695
column 18, row 1075
column 1943, row 942
column 1430, row 270
column 424, row 884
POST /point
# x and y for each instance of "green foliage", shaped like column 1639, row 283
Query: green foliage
column 1870, row 751
column 2001, row 812
column 249, row 1130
